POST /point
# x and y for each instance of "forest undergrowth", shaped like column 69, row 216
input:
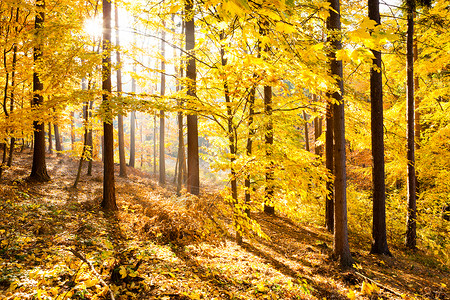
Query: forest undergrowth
column 56, row 243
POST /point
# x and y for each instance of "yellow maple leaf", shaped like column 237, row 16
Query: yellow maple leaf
column 123, row 272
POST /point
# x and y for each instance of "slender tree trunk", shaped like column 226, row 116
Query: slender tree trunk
column 85, row 143
column 2, row 165
column 162, row 158
column 379, row 243
column 411, row 181
column 90, row 148
column 269, row 191
column 132, row 139
column 181, row 150
column 58, row 145
column 50, row 139
column 305, row 117
column 232, row 139
column 417, row 126
column 141, row 145
column 181, row 158
column 12, row 143
column 329, row 163
column 341, row 247
column 39, row 167
column 72, row 130
column 11, row 103
column 154, row 144
column 109, row 194
column 175, row 176
column 268, row 135
column 193, row 168
column 317, row 132
column 121, row 137
column 249, row 148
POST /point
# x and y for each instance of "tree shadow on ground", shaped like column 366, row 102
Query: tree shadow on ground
column 287, row 249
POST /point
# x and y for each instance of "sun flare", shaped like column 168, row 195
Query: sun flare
column 93, row 27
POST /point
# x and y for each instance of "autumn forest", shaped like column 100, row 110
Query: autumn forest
column 239, row 149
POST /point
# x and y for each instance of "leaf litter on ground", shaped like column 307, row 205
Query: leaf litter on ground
column 56, row 243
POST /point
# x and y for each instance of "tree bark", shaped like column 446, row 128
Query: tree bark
column 193, row 168
column 341, row 247
column 39, row 167
column 379, row 242
column 121, row 136
column 411, row 180
column 109, row 195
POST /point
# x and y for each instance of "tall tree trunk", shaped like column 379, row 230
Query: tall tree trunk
column 181, row 150
column 341, row 247
column 2, row 165
column 58, row 145
column 249, row 147
column 85, row 143
column 39, row 167
column 123, row 167
column 317, row 131
column 90, row 144
column 72, row 130
column 162, row 158
column 109, row 194
column 305, row 117
column 268, row 136
column 13, row 85
column 417, row 126
column 193, row 168
column 181, row 156
column 50, row 139
column 154, row 144
column 141, row 139
column 232, row 144
column 379, row 243
column 269, row 190
column 411, row 181
column 329, row 163
column 132, row 139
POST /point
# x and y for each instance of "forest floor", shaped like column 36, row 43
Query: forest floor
column 56, row 243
